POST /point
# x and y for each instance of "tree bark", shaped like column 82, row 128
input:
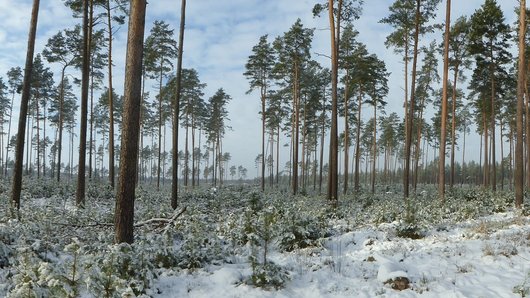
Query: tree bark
column 19, row 151
column 358, row 142
column 408, row 137
column 124, row 214
column 333, row 146
column 111, row 100
column 81, row 172
column 441, row 165
column 174, row 184
column 519, row 161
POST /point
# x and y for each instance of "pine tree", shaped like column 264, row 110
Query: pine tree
column 293, row 53
column 216, row 128
column 259, row 72
column 63, row 48
column 14, row 80
column 489, row 37
column 160, row 49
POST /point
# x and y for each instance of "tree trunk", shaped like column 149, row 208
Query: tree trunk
column 374, row 146
column 186, row 150
column 408, row 137
column 346, row 137
column 26, row 88
column 38, row 134
column 358, row 141
column 443, row 129
column 263, row 99
column 80, row 193
column 124, row 214
column 493, row 159
column 464, row 154
column 321, row 162
column 519, row 161
column 174, row 184
column 333, row 146
column 486, row 148
column 111, row 99
column 296, row 140
column 9, row 133
column 159, row 125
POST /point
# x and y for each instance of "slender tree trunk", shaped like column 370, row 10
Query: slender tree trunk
column 186, row 151
column 321, row 162
column 527, row 132
column 346, row 138
column 111, row 99
column 418, row 144
column 493, row 159
column 374, row 146
column 296, row 140
column 81, row 172
column 61, row 121
column 158, row 168
column 91, row 136
column 44, row 137
column 9, row 133
column 453, row 128
column 486, row 149
column 519, row 161
column 263, row 99
column 124, row 214
column 358, row 141
column 28, row 142
column 174, row 185
column 464, row 153
column 38, row 136
column 408, row 138
column 441, row 165
column 193, row 157
column 333, row 146
column 277, row 155
column 502, row 154
column 19, row 151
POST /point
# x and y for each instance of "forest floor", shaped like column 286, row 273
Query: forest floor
column 237, row 242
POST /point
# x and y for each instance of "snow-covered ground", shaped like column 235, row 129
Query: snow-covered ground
column 488, row 257
column 473, row 245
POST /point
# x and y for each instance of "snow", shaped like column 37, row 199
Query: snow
column 217, row 247
column 487, row 257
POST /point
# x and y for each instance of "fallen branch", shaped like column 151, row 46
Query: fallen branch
column 160, row 220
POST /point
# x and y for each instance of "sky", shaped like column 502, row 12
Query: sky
column 218, row 39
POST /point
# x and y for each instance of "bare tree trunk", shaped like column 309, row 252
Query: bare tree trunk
column 358, row 141
column 81, row 172
column 321, row 162
column 174, row 185
column 486, row 149
column 519, row 161
column 453, row 128
column 19, row 151
column 410, row 115
column 374, row 146
column 333, row 180
column 124, row 214
column 9, row 134
column 346, row 137
column 441, row 165
column 111, row 99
